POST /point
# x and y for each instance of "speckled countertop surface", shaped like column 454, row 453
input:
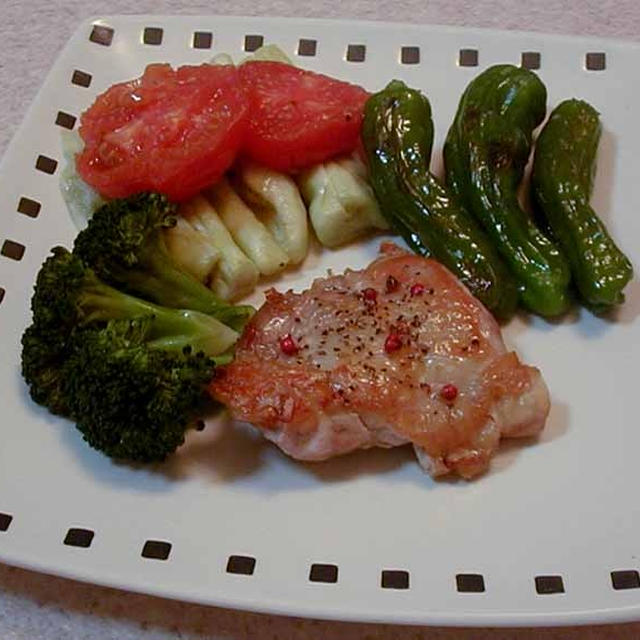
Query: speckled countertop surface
column 32, row 32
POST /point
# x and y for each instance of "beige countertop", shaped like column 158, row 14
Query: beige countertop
column 32, row 32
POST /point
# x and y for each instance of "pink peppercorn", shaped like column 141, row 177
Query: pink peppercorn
column 449, row 392
column 288, row 345
column 392, row 343
column 369, row 294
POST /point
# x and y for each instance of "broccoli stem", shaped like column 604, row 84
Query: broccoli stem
column 170, row 286
column 170, row 329
column 179, row 328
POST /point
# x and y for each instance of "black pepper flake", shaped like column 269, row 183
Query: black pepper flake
column 322, row 353
column 296, row 319
column 431, row 292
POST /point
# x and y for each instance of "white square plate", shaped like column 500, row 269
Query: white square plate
column 564, row 509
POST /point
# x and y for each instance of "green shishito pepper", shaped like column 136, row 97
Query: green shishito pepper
column 397, row 134
column 562, row 180
column 485, row 155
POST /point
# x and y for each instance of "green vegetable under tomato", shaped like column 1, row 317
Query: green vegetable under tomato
column 562, row 181
column 397, row 134
column 485, row 154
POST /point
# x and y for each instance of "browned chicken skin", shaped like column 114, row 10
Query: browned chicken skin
column 398, row 352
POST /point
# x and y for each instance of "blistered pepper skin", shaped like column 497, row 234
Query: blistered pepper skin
column 486, row 151
column 562, row 181
column 397, row 135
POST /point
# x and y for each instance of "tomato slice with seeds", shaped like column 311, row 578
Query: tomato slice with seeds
column 175, row 131
column 299, row 118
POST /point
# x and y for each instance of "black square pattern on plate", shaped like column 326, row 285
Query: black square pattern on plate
column 307, row 47
column 629, row 579
column 29, row 207
column 470, row 583
column 81, row 78
column 323, row 573
column 2, row 292
column 394, row 579
column 5, row 518
column 549, row 584
column 202, row 40
column 595, row 61
column 253, row 42
column 468, row 57
column 242, row 565
column 410, row 55
column 356, row 52
column 79, row 538
column 152, row 35
column 530, row 60
column 46, row 165
column 65, row 120
column 156, row 550
column 101, row 35
column 13, row 250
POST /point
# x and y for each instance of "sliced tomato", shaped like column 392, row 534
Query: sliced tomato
column 298, row 118
column 172, row 131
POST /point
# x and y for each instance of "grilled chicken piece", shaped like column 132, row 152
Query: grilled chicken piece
column 399, row 352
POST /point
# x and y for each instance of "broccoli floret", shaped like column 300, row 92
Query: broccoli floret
column 87, row 338
column 131, row 401
column 68, row 294
column 124, row 244
column 55, row 312
column 43, row 349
